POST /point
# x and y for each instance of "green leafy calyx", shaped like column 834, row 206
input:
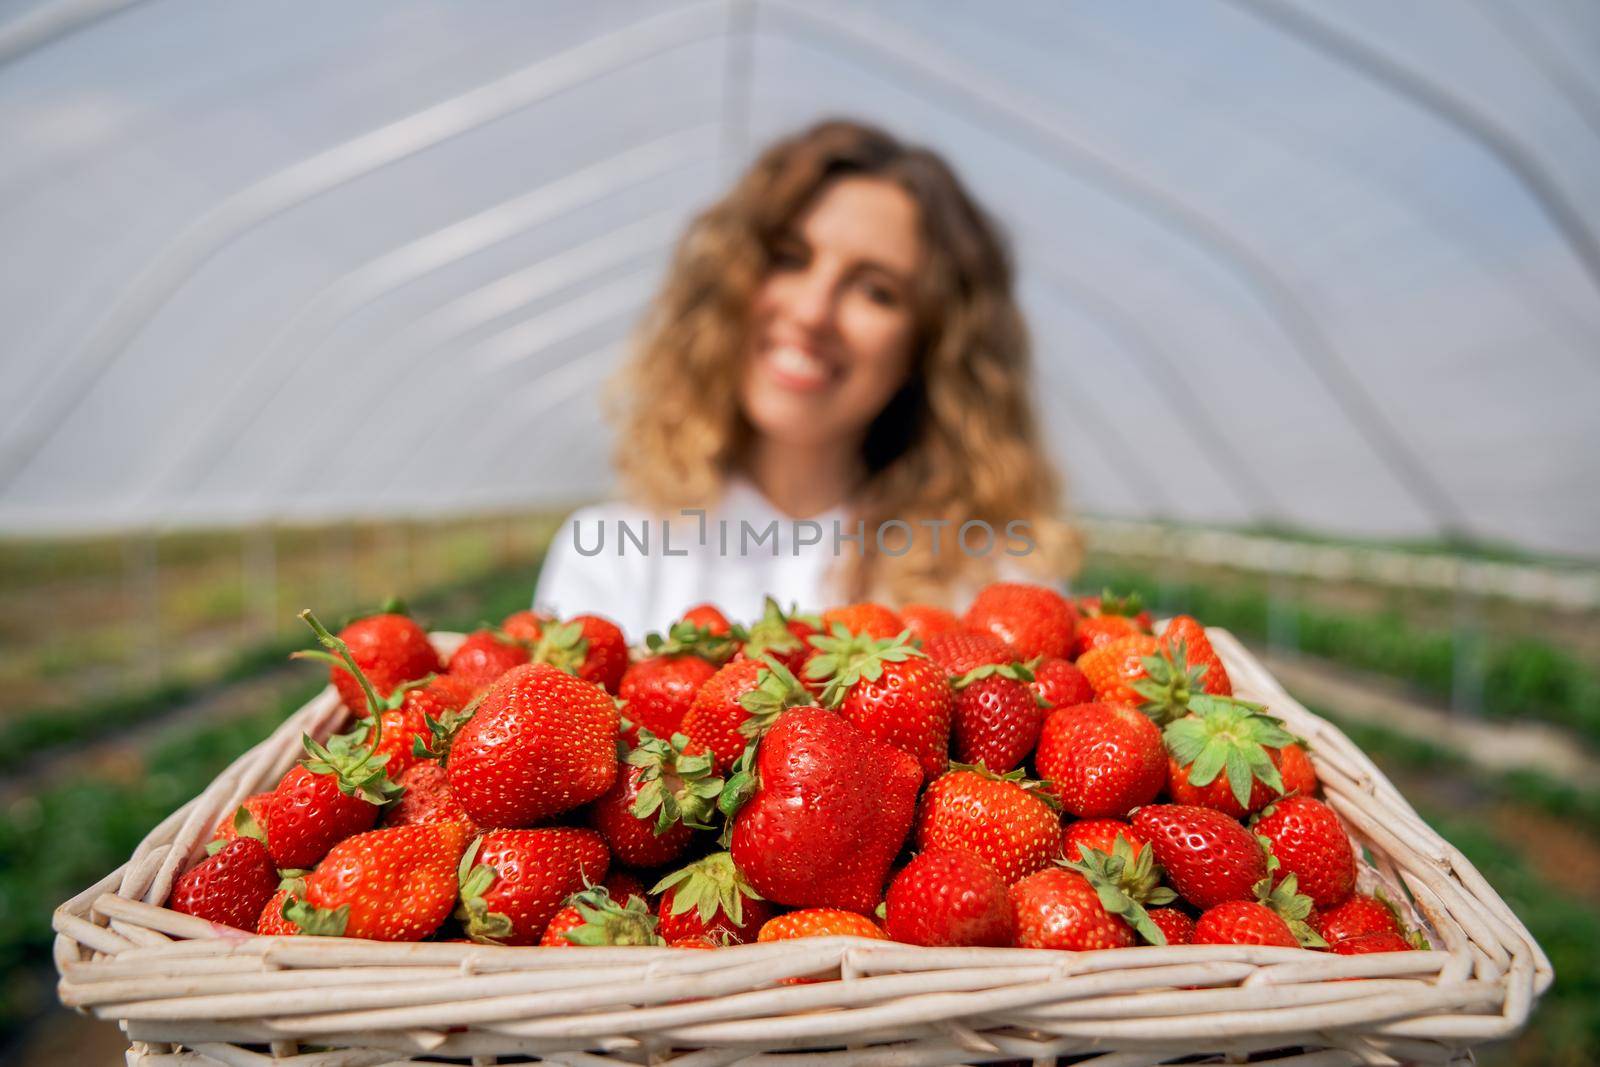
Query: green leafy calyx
column 605, row 922
column 1126, row 883
column 1231, row 736
column 844, row 659
column 674, row 787
column 708, row 886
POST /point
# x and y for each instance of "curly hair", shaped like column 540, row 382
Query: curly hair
column 958, row 443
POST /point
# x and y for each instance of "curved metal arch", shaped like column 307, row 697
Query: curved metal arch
column 37, row 419
column 1171, row 381
column 1503, row 144
column 429, row 334
column 51, row 22
column 1549, row 60
column 896, row 47
column 305, row 334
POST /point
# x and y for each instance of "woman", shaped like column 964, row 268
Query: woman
column 836, row 352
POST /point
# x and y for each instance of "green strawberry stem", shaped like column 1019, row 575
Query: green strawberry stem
column 562, row 645
column 776, row 691
column 1285, row 898
column 351, row 758
column 605, row 922
column 707, row 886
column 318, row 922
column 1126, row 882
column 482, row 925
column 1017, row 672
column 686, row 639
column 845, row 658
column 674, row 787
column 1222, row 733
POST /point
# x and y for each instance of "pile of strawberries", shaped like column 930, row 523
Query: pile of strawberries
column 1039, row 773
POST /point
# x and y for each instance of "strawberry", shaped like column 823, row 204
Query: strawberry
column 524, row 626
column 1281, row 894
column 593, row 918
column 959, row 652
column 948, row 898
column 738, row 704
column 1126, row 880
column 997, row 716
column 1113, row 667
column 1209, row 858
column 1311, row 844
column 660, row 797
column 1187, row 638
column 925, row 620
column 389, row 648
column 890, row 690
column 1002, row 820
column 542, row 742
column 708, row 617
column 1099, row 834
column 1356, row 916
column 396, row 884
column 271, row 921
column 1242, row 922
column 1299, row 776
column 1381, row 941
column 427, row 799
column 864, row 619
column 247, row 820
column 437, row 699
column 514, row 881
column 783, row 635
column 820, row 922
column 708, row 898
column 820, row 812
column 1060, row 684
column 1032, row 619
column 1221, row 755
column 1175, row 926
column 588, row 646
column 624, row 886
column 1057, row 908
column 309, row 813
column 1102, row 760
column 230, row 887
column 658, row 689
column 1106, row 618
column 485, row 656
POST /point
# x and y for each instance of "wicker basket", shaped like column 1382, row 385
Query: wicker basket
column 188, row 992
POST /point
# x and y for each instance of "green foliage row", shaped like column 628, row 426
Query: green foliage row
column 1521, row 678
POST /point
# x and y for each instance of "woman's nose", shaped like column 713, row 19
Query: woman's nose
column 811, row 299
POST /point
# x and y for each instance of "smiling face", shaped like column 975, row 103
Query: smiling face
column 832, row 325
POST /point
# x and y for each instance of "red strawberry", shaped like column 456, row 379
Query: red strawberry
column 485, row 656
column 588, row 646
column 541, row 743
column 271, row 922
column 1381, row 941
column 1102, row 760
column 247, row 820
column 828, row 808
column 1175, row 926
column 1184, row 634
column 1112, row 668
column 1098, row 834
column 1222, row 756
column 524, row 626
column 1209, row 858
column 785, row 636
column 1311, row 844
column 865, row 619
column 402, row 726
column 997, row 716
column 390, row 649
column 890, row 690
column 230, row 887
column 1001, row 820
column 1357, row 916
column 948, row 898
column 1299, row 776
column 624, row 886
column 1106, row 618
column 593, row 918
column 959, row 652
column 925, row 620
column 708, row 617
column 514, row 881
column 1057, row 908
column 1061, row 684
column 710, row 898
column 1242, row 922
column 396, row 884
column 427, row 799
column 820, row 922
column 1034, row 620
column 660, row 797
column 309, row 814
column 658, row 689
column 738, row 704
column 1126, row 880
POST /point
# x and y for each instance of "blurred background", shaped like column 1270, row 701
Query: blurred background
column 309, row 304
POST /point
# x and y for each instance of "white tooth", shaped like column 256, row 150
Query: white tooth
column 796, row 361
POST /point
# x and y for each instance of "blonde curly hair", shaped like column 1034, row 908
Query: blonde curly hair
column 959, row 442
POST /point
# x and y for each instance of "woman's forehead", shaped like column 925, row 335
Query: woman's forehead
column 866, row 218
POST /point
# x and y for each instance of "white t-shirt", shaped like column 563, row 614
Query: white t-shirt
column 643, row 570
